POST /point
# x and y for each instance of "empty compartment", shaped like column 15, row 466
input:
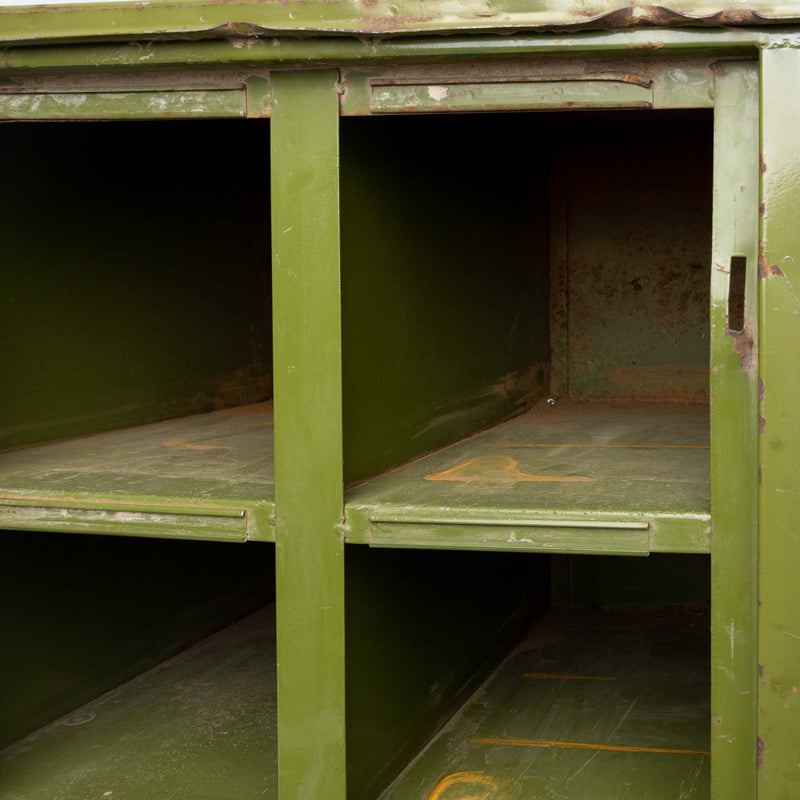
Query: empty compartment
column 136, row 668
column 551, row 270
column 509, row 676
column 136, row 333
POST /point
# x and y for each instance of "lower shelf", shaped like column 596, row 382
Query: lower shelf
column 201, row 724
column 601, row 705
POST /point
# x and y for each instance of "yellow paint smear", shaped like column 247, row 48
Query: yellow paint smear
column 566, row 677
column 195, row 446
column 476, row 785
column 621, row 446
column 586, row 746
column 495, row 469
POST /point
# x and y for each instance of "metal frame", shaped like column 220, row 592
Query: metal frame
column 305, row 105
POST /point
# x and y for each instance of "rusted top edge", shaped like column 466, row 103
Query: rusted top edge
column 260, row 18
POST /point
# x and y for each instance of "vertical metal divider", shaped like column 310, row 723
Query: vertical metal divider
column 779, row 445
column 308, row 434
column 734, row 436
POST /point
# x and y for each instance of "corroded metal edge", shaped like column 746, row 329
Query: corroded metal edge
column 256, row 18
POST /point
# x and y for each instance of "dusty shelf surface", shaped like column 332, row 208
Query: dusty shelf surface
column 593, row 464
column 201, row 724
column 218, row 466
column 592, row 704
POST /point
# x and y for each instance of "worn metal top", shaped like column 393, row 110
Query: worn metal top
column 68, row 21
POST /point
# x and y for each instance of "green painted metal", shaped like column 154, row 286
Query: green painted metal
column 687, row 86
column 423, row 630
column 779, row 444
column 622, row 466
column 308, row 435
column 598, row 705
column 127, row 298
column 81, row 614
column 131, row 20
column 433, row 276
column 208, row 476
column 182, row 729
column 123, row 105
column 734, row 432
column 334, row 51
column 493, row 96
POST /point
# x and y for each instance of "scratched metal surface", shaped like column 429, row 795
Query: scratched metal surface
column 601, row 705
column 226, row 455
column 201, row 725
column 579, row 456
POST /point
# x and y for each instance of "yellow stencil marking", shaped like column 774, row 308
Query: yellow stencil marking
column 566, row 677
column 478, row 786
column 624, row 446
column 195, row 446
column 494, row 469
column 586, row 746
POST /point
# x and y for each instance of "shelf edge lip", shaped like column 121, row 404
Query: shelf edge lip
column 237, row 510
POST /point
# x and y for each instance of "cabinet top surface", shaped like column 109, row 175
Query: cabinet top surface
column 41, row 21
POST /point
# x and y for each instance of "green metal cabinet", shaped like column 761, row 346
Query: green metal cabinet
column 520, row 524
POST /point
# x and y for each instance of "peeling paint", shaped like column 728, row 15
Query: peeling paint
column 760, row 752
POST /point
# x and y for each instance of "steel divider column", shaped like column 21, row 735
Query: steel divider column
column 308, row 434
column 779, row 444
column 734, row 434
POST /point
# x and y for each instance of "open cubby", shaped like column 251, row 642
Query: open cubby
column 137, row 345
column 511, row 675
column 136, row 668
column 540, row 269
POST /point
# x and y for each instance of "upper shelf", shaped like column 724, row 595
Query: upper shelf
column 202, row 477
column 573, row 477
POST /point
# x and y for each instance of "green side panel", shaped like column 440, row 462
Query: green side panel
column 638, row 241
column 662, row 579
column 201, row 724
column 308, row 435
column 423, row 629
column 79, row 615
column 779, row 444
column 734, row 433
column 600, row 705
column 136, row 274
column 123, row 105
column 444, row 280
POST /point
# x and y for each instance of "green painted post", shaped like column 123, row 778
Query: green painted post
column 779, row 444
column 734, row 433
column 308, row 435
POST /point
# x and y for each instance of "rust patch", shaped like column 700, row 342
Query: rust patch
column 760, row 390
column 761, row 747
column 762, row 209
column 761, row 165
column 647, row 46
column 744, row 346
column 762, row 424
column 760, row 670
